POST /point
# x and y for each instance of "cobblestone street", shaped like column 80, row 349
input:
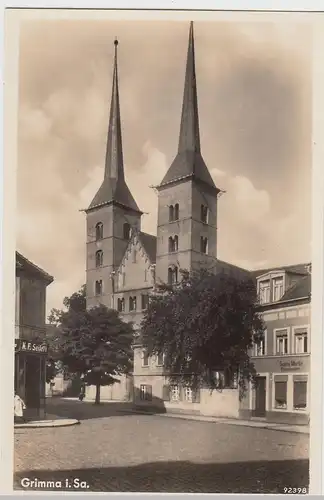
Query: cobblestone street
column 116, row 451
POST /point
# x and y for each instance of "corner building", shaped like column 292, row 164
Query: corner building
column 124, row 264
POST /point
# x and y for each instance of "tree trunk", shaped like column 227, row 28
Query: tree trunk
column 97, row 400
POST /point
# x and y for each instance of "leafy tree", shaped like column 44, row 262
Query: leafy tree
column 205, row 325
column 95, row 344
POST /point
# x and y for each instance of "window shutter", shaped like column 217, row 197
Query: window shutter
column 148, row 390
column 166, row 393
column 196, row 396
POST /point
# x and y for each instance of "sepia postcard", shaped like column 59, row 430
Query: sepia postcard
column 163, row 202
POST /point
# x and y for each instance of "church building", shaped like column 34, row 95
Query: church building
column 124, row 263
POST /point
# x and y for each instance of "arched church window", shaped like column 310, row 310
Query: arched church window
column 204, row 214
column 99, row 258
column 126, row 231
column 99, row 231
column 176, row 211
column 203, row 245
column 176, row 241
column 172, row 275
column 98, row 287
column 171, row 213
column 173, row 243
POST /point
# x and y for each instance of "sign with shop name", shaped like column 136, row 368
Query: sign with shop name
column 290, row 365
column 30, row 347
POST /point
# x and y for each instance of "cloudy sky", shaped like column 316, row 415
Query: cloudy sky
column 254, row 91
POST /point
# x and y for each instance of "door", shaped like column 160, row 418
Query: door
column 260, row 397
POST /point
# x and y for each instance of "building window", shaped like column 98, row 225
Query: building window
column 280, row 394
column 204, row 214
column 144, row 300
column 282, row 342
column 98, row 287
column 278, row 289
column 300, row 395
column 172, row 275
column 301, row 343
column 174, row 212
column 203, row 245
column 99, row 231
column 134, row 256
column 132, row 303
column 174, row 393
column 188, row 394
column 173, row 243
column 145, row 358
column 259, row 348
column 99, row 258
column 264, row 291
column 121, row 305
column 159, row 359
column 146, row 393
column 126, row 231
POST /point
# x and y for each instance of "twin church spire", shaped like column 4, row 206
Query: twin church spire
column 188, row 161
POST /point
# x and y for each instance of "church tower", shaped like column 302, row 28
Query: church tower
column 112, row 214
column 187, row 195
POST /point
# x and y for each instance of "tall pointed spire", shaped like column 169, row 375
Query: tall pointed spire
column 189, row 139
column 114, row 187
column 114, row 167
column 188, row 161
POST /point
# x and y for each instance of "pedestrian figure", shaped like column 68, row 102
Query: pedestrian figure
column 19, row 407
column 82, row 393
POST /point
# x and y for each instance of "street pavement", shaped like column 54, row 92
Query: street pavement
column 112, row 450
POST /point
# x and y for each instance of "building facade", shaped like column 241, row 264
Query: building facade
column 30, row 335
column 124, row 264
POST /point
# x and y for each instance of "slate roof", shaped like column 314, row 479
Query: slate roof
column 149, row 243
column 294, row 269
column 300, row 290
column 24, row 264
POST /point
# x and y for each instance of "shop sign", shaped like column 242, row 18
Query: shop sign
column 30, row 347
column 290, row 365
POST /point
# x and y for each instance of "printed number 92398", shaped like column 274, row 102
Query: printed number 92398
column 292, row 491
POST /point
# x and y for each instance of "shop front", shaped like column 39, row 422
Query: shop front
column 30, row 376
column 281, row 392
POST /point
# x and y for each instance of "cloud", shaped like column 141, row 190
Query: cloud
column 254, row 85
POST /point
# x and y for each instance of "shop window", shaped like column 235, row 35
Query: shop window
column 99, row 231
column 301, row 343
column 300, row 395
column 99, row 258
column 146, row 393
column 282, row 342
column 145, row 358
column 264, row 291
column 174, row 393
column 121, row 305
column 280, row 394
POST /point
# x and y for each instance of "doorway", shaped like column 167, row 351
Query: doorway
column 260, row 397
column 32, row 387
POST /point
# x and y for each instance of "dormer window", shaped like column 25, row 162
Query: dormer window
column 264, row 291
column 126, row 231
column 204, row 214
column 99, row 258
column 277, row 288
column 99, row 231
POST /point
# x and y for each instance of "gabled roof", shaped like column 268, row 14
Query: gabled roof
column 149, row 244
column 23, row 264
column 300, row 290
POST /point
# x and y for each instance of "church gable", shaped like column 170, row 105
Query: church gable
column 135, row 270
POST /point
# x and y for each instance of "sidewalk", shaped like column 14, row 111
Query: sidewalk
column 299, row 429
column 50, row 421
